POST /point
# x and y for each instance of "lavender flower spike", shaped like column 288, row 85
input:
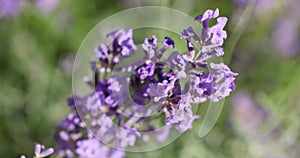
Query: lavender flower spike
column 118, row 109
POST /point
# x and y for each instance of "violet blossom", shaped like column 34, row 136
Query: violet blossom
column 117, row 111
column 40, row 151
column 154, row 82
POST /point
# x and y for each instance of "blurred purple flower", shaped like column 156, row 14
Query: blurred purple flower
column 66, row 64
column 127, row 136
column 47, row 6
column 91, row 148
column 260, row 6
column 40, row 151
column 248, row 115
column 285, row 33
column 101, row 52
column 163, row 133
column 10, row 8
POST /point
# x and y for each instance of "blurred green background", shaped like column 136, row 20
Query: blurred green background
column 39, row 41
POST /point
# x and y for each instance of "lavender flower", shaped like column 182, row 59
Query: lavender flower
column 214, row 34
column 168, row 42
column 101, row 52
column 40, row 151
column 118, row 110
column 147, row 70
column 150, row 46
column 69, row 131
column 183, row 115
column 123, row 43
column 159, row 90
column 209, row 14
column 218, row 34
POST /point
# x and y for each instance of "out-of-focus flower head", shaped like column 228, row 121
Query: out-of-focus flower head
column 47, row 6
column 40, row 151
column 286, row 31
column 10, row 8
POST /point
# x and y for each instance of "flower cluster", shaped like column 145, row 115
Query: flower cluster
column 119, row 109
column 128, row 98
